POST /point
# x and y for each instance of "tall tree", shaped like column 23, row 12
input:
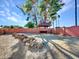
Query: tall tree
column 48, row 8
column 28, row 7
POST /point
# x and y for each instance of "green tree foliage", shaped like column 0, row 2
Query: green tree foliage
column 47, row 8
column 29, row 25
column 53, row 7
column 27, row 6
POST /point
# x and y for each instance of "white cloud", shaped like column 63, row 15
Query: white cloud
column 2, row 19
column 67, row 6
column 7, row 3
column 17, row 21
column 12, row 3
column 22, row 22
column 7, row 9
column 1, row 6
column 78, row 6
column 11, row 18
column 66, row 1
column 64, row 9
column 8, row 14
column 15, row 14
column 1, row 12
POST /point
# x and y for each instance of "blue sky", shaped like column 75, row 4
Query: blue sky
column 11, row 15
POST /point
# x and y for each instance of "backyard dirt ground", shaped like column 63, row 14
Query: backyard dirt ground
column 11, row 48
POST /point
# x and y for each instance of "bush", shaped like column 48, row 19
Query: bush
column 29, row 25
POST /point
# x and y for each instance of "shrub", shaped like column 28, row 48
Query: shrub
column 29, row 25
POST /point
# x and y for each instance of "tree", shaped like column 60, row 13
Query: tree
column 1, row 26
column 27, row 7
column 48, row 8
column 29, row 25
